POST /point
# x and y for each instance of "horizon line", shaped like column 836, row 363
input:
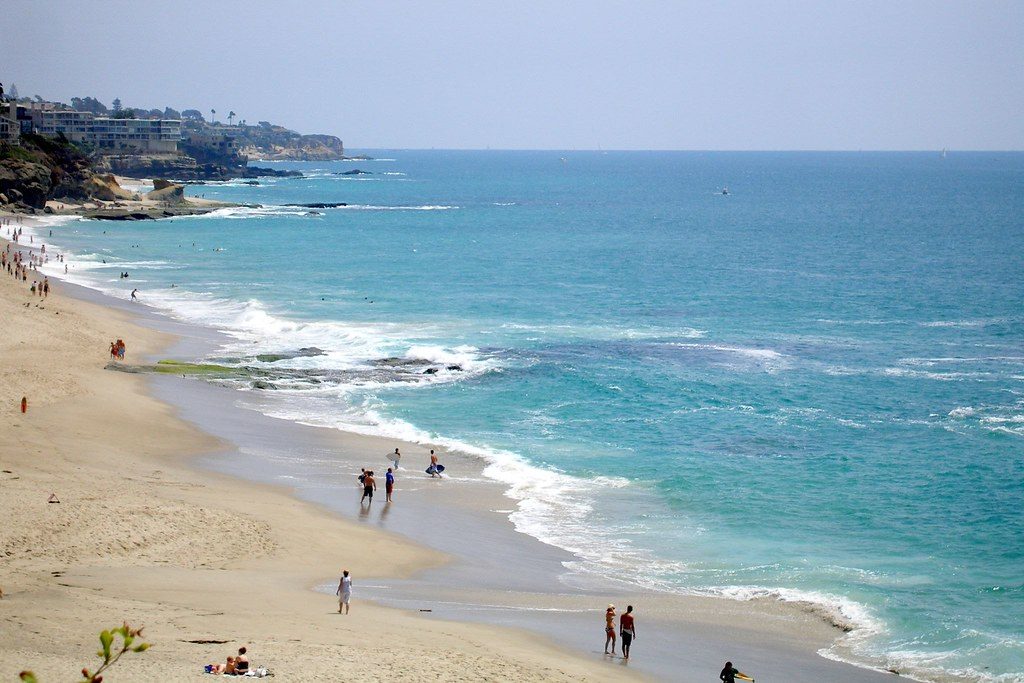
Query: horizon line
column 938, row 150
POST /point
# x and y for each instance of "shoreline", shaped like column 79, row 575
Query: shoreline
column 142, row 535
column 800, row 643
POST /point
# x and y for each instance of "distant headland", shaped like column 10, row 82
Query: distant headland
column 55, row 150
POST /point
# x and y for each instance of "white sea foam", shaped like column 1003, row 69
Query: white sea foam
column 374, row 207
column 979, row 322
column 965, row 411
column 610, row 332
column 766, row 359
column 242, row 212
column 940, row 376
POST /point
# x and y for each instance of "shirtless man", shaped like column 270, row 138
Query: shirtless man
column 627, row 629
column 369, row 486
column 433, row 465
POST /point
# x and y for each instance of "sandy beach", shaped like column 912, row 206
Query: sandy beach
column 140, row 536
column 175, row 514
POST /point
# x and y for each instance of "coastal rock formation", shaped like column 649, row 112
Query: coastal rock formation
column 318, row 205
column 40, row 169
column 177, row 166
column 166, row 191
column 104, row 186
column 24, row 183
column 277, row 143
column 183, row 167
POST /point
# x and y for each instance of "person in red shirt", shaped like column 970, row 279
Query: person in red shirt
column 627, row 630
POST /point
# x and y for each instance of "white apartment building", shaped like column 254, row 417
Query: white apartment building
column 147, row 135
column 121, row 135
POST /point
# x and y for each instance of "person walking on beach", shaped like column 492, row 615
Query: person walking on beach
column 134, row 292
column 395, row 457
column 609, row 629
column 389, row 485
column 344, row 591
column 627, row 629
column 369, row 486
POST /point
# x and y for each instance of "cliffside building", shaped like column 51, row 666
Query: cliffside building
column 149, row 136
column 145, row 135
column 10, row 127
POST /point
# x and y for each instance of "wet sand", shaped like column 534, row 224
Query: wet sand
column 445, row 546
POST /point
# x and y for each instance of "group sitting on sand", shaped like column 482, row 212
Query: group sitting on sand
column 236, row 666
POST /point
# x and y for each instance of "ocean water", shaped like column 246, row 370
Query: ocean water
column 811, row 387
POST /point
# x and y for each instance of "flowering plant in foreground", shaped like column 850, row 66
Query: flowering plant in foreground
column 108, row 653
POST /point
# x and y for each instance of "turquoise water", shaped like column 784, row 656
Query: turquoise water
column 812, row 387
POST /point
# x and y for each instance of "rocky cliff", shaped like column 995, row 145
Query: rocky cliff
column 280, row 144
column 40, row 169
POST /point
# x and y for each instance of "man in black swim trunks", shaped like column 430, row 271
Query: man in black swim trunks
column 369, row 486
column 627, row 630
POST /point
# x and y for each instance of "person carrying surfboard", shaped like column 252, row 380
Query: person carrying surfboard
column 395, row 457
column 730, row 674
column 435, row 469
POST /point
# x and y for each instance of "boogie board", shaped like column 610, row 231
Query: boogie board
column 439, row 469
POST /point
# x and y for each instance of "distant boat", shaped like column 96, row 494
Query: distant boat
column 725, row 190
column 943, row 152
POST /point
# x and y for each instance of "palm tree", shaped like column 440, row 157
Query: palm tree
column 231, row 115
column 213, row 116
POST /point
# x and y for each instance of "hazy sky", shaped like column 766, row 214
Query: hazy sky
column 728, row 74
